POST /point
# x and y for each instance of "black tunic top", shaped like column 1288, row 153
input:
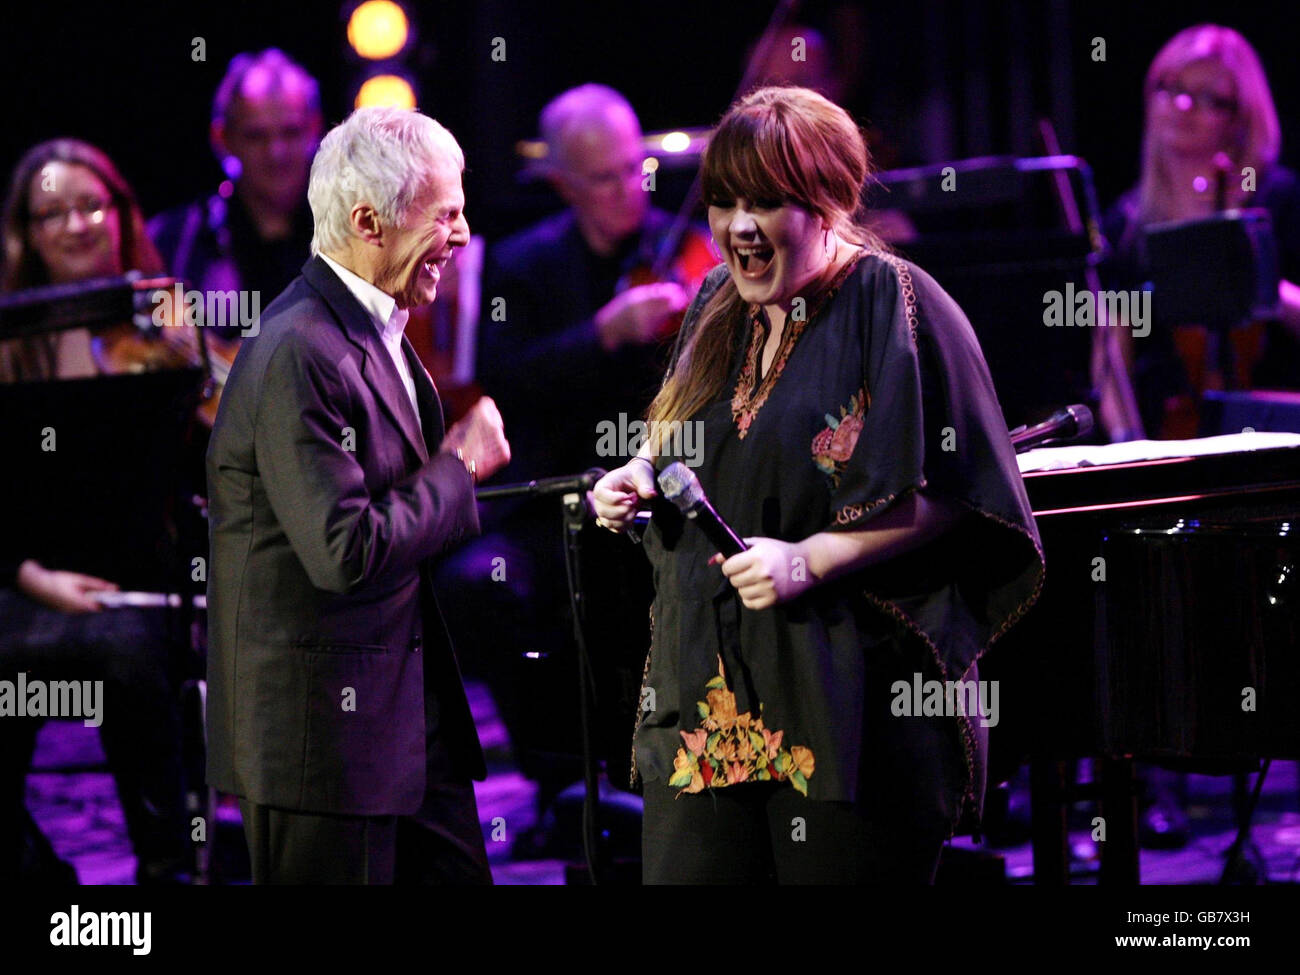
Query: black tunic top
column 882, row 391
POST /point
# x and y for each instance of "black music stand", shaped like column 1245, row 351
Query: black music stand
column 1216, row 271
column 993, row 232
column 106, row 499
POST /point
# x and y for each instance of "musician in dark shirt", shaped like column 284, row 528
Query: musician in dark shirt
column 255, row 232
column 561, row 349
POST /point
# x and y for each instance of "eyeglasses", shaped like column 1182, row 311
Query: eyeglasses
column 1202, row 98
column 91, row 209
column 608, row 179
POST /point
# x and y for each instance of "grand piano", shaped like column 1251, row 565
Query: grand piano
column 1167, row 630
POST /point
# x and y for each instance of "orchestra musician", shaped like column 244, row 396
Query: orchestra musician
column 253, row 234
column 1208, row 105
column 69, row 216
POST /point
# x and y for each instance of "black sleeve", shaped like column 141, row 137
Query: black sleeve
column 930, row 421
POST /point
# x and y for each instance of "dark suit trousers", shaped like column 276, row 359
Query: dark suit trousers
column 442, row 843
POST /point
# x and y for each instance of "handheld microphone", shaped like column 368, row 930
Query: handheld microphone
column 678, row 484
column 1073, row 421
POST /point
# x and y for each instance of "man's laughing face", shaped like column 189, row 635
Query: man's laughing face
column 416, row 250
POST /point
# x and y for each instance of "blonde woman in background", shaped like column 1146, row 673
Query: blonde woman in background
column 1207, row 100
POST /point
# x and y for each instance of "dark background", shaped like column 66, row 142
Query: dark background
column 939, row 79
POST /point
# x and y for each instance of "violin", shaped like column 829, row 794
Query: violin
column 1181, row 415
column 683, row 257
column 125, row 348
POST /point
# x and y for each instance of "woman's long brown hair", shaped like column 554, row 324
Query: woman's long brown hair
column 779, row 143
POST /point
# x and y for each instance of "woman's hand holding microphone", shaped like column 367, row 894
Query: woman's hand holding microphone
column 616, row 496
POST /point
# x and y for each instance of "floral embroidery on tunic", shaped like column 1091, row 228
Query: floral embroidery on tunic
column 833, row 446
column 729, row 748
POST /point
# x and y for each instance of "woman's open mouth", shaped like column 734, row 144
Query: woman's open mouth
column 754, row 261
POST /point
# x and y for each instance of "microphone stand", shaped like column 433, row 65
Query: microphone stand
column 575, row 513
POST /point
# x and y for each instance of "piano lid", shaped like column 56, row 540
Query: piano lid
column 1146, row 473
column 1097, row 455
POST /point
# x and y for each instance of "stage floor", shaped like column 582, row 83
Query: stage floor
column 80, row 814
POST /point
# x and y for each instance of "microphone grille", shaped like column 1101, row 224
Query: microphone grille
column 1082, row 418
column 680, row 486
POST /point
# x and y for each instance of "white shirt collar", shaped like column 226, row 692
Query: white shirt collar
column 388, row 318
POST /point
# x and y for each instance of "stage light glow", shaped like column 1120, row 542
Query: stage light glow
column 378, row 29
column 386, row 89
column 675, row 142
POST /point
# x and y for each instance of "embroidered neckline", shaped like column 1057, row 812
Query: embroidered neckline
column 907, row 288
column 747, row 401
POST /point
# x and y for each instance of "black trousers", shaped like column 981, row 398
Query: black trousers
column 442, row 843
column 912, row 777
column 767, row 833
column 141, row 732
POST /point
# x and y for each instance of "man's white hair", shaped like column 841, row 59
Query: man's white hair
column 379, row 156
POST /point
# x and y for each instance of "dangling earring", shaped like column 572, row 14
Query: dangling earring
column 827, row 248
column 713, row 247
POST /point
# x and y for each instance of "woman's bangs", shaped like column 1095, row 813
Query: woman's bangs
column 741, row 162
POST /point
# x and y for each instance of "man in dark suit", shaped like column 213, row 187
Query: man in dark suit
column 335, row 707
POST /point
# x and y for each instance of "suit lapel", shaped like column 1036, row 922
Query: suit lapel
column 381, row 373
column 432, row 420
column 377, row 366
